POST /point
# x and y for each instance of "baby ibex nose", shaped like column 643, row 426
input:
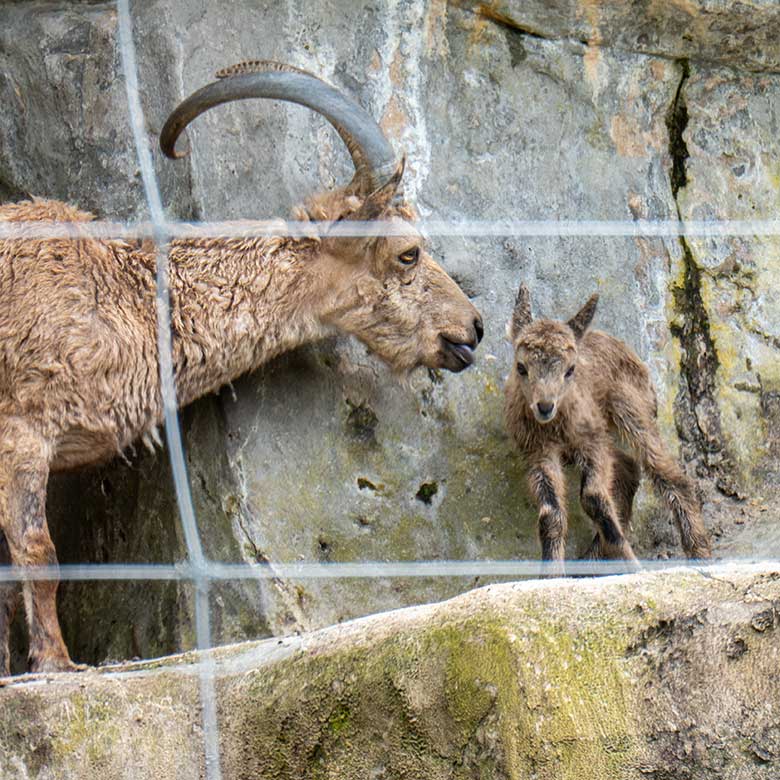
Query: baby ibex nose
column 545, row 408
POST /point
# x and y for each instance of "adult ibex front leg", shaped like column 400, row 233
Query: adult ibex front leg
column 24, row 471
column 9, row 593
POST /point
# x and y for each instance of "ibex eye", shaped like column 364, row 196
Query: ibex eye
column 410, row 257
column 569, row 372
column 522, row 370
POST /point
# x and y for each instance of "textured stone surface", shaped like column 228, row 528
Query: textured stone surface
column 744, row 34
column 661, row 675
column 64, row 127
column 733, row 172
column 322, row 455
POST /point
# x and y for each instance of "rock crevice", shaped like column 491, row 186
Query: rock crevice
column 697, row 415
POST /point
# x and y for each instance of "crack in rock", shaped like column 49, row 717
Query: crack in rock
column 696, row 411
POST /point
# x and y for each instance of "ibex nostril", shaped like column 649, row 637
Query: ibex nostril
column 479, row 329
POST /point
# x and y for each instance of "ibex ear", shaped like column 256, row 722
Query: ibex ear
column 581, row 320
column 521, row 316
column 380, row 199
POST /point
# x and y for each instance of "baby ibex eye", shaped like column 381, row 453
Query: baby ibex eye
column 410, row 257
column 569, row 372
column 522, row 370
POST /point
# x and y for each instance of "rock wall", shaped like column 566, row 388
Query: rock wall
column 576, row 109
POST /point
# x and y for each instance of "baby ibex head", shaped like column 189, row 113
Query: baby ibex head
column 546, row 354
column 384, row 289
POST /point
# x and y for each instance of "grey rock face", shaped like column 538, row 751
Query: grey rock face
column 64, row 126
column 587, row 110
column 743, row 34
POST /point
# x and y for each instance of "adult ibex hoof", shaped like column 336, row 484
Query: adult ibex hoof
column 55, row 664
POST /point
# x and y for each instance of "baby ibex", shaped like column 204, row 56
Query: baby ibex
column 78, row 350
column 571, row 393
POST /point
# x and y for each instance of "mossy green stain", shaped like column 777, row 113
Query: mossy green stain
column 339, row 723
column 361, row 422
column 555, row 699
column 556, row 695
column 89, row 731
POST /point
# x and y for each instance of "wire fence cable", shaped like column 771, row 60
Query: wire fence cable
column 161, row 230
column 168, row 390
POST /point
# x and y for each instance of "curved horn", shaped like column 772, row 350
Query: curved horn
column 371, row 153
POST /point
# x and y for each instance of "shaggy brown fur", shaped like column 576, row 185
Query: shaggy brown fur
column 78, row 349
column 571, row 393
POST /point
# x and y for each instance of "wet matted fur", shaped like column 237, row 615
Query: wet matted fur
column 573, row 396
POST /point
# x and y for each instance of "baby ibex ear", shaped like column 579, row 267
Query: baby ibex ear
column 581, row 320
column 521, row 316
column 380, row 199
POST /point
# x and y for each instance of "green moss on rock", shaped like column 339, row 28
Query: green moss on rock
column 448, row 701
column 558, row 680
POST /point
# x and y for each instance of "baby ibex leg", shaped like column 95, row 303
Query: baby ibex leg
column 24, row 471
column 678, row 493
column 669, row 480
column 597, row 481
column 9, row 599
column 625, row 482
column 626, row 477
column 547, row 485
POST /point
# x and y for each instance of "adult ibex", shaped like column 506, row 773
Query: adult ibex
column 78, row 351
column 571, row 395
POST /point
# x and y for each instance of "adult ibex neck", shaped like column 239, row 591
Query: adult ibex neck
column 237, row 303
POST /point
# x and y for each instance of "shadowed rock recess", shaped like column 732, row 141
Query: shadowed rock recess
column 667, row 675
column 531, row 110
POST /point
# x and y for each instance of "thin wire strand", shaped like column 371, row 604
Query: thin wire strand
column 161, row 230
column 168, row 391
column 206, row 674
column 215, row 571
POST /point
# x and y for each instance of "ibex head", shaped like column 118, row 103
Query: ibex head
column 546, row 355
column 385, row 290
